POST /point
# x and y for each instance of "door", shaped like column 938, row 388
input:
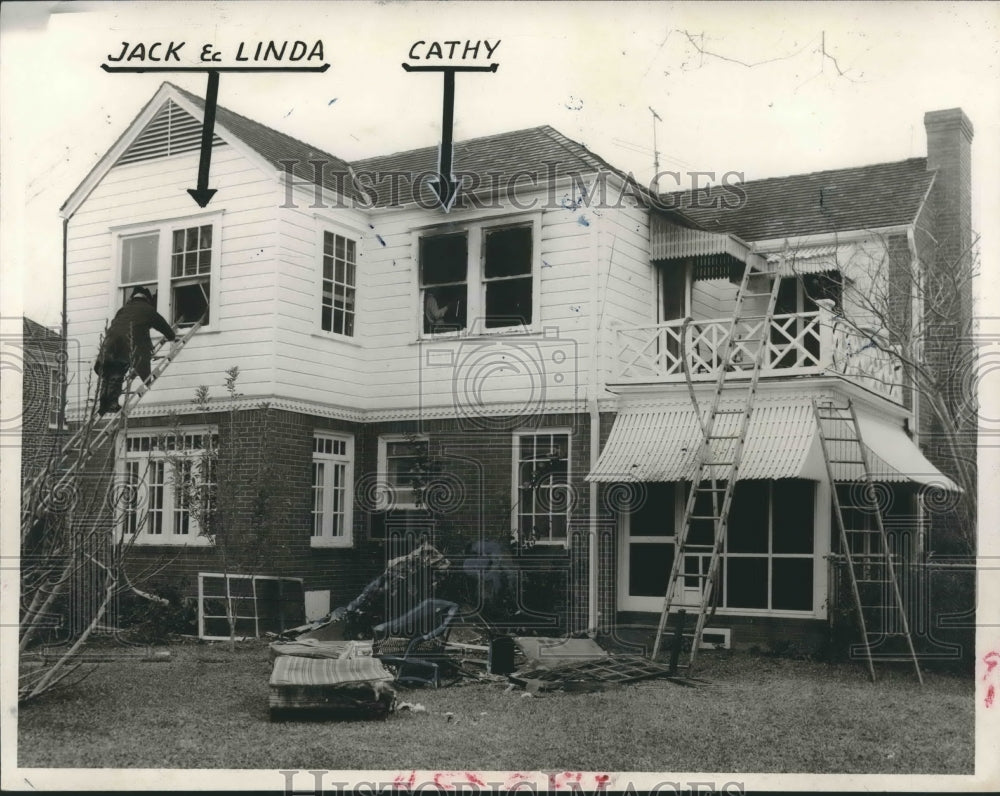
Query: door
column 647, row 552
column 674, row 300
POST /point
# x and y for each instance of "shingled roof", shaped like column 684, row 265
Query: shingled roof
column 863, row 197
column 541, row 151
column 276, row 147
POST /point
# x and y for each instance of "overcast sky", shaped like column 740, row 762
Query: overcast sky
column 762, row 99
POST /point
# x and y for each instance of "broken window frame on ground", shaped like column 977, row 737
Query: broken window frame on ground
column 256, row 616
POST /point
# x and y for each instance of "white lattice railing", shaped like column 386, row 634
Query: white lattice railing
column 794, row 344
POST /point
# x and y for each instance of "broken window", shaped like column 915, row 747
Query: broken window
column 191, row 274
column 541, row 487
column 402, row 464
column 338, row 306
column 332, row 489
column 258, row 603
column 507, row 261
column 443, row 282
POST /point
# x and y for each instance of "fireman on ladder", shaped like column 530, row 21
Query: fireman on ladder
column 127, row 344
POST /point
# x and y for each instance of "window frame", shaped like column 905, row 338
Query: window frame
column 475, row 230
column 382, row 502
column 326, row 538
column 724, row 608
column 515, row 508
column 323, row 227
column 164, row 282
column 169, row 508
column 54, row 402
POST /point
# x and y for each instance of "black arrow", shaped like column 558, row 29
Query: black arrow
column 203, row 194
column 445, row 187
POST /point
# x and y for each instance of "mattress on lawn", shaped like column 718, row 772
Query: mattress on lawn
column 313, row 648
column 297, row 671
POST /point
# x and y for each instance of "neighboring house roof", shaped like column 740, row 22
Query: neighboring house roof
column 863, row 197
column 38, row 333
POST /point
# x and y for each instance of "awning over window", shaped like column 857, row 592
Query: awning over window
column 662, row 444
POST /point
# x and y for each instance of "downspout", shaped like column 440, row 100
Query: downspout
column 595, row 428
column 64, row 365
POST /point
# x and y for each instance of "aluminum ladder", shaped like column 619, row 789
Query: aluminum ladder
column 878, row 601
column 720, row 453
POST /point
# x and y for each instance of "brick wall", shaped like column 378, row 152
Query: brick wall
column 41, row 355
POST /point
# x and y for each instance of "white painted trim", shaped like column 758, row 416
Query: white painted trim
column 382, row 470
column 348, row 460
column 515, row 491
column 164, row 228
column 321, row 227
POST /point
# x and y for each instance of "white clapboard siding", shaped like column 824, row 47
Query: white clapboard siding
column 154, row 191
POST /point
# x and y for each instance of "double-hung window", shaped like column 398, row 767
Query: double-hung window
column 55, row 396
column 541, row 486
column 177, row 262
column 167, row 487
column 401, row 464
column 339, row 289
column 482, row 278
column 332, row 490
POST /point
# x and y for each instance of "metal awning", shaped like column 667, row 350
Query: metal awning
column 662, row 444
column 806, row 260
column 671, row 242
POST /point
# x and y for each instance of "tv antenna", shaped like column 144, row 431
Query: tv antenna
column 656, row 152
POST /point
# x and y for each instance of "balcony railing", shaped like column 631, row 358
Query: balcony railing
column 795, row 344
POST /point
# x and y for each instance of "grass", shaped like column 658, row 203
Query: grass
column 208, row 708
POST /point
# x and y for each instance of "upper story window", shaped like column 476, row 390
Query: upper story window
column 339, row 289
column 178, row 260
column 483, row 276
column 332, row 489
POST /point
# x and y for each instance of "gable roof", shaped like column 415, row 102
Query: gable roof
column 276, row 147
column 34, row 331
column 862, row 197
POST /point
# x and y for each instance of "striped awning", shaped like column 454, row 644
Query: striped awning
column 663, row 444
column 807, row 260
column 671, row 242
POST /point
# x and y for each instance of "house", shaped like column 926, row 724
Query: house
column 501, row 372
column 42, row 355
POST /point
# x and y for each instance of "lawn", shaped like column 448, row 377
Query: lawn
column 207, row 707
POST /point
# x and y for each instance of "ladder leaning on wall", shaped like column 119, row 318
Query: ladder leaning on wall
column 41, row 495
column 878, row 601
column 720, row 453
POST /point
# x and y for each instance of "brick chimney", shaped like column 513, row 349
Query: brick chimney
column 949, row 153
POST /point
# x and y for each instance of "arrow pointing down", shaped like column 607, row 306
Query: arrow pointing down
column 203, row 194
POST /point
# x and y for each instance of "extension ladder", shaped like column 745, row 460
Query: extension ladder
column 878, row 601
column 94, row 431
column 720, row 453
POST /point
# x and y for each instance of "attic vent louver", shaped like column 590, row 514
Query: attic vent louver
column 172, row 131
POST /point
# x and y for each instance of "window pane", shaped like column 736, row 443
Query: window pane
column 702, row 532
column 655, row 515
column 792, row 589
column 443, row 258
column 206, row 237
column 444, row 308
column 139, row 258
column 648, row 569
column 746, row 582
column 508, row 252
column 793, row 517
column 328, row 243
column 748, row 518
column 508, row 303
column 191, row 302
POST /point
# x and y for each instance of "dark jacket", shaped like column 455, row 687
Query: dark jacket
column 129, row 331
